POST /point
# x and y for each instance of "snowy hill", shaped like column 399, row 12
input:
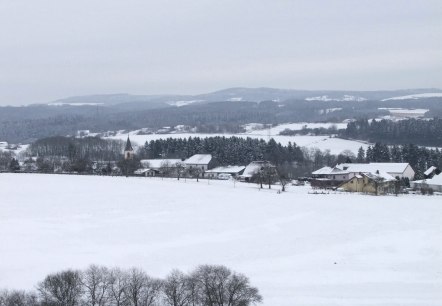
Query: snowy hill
column 343, row 98
column 297, row 248
column 237, row 94
column 417, row 96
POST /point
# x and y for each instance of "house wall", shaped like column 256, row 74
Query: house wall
column 358, row 185
column 437, row 188
column 338, row 177
column 409, row 172
column 415, row 185
column 365, row 185
column 202, row 167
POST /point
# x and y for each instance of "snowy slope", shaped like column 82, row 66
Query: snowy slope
column 254, row 130
column 297, row 248
column 343, row 98
column 335, row 145
column 417, row 96
column 258, row 129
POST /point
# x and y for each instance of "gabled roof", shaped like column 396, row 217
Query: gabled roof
column 227, row 169
column 323, row 170
column 158, row 163
column 373, row 167
column 328, row 170
column 436, row 180
column 128, row 145
column 140, row 171
column 199, row 159
column 430, row 170
column 254, row 167
column 381, row 176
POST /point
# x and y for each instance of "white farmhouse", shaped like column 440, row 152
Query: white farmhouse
column 200, row 161
column 153, row 167
column 331, row 174
column 159, row 163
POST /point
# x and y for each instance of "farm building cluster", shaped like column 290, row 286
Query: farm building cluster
column 375, row 178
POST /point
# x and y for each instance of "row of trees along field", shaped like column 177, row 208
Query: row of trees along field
column 225, row 151
column 207, row 285
column 420, row 132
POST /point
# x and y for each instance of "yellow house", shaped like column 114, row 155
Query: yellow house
column 370, row 183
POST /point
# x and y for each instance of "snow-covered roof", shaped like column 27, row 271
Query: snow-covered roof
column 383, row 176
column 226, row 169
column 323, row 170
column 436, row 180
column 199, row 159
column 373, row 167
column 430, row 170
column 254, row 167
column 141, row 171
column 158, row 163
column 329, row 170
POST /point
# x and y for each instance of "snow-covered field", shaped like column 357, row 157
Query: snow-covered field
column 17, row 149
column 292, row 126
column 297, row 248
column 335, row 145
column 417, row 96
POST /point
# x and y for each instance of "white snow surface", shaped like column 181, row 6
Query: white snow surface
column 435, row 180
column 373, row 167
column 158, row 163
column 20, row 148
column 343, row 98
column 335, row 145
column 297, row 248
column 417, row 96
column 429, row 170
column 257, row 129
column 74, row 104
column 183, row 102
column 199, row 159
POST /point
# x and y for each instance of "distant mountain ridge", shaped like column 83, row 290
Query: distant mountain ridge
column 245, row 94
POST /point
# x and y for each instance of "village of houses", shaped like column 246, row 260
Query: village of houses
column 365, row 178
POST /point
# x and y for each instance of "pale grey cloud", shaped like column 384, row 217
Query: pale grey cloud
column 52, row 48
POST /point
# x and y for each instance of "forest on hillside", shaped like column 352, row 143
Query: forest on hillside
column 27, row 124
column 420, row 132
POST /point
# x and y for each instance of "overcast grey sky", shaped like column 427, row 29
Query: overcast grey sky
column 51, row 49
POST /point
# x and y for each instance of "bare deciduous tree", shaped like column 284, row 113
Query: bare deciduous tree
column 95, row 281
column 151, row 291
column 219, row 286
column 135, row 285
column 177, row 289
column 283, row 176
column 180, row 169
column 61, row 289
column 195, row 172
column 206, row 286
column 118, row 280
column 18, row 298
